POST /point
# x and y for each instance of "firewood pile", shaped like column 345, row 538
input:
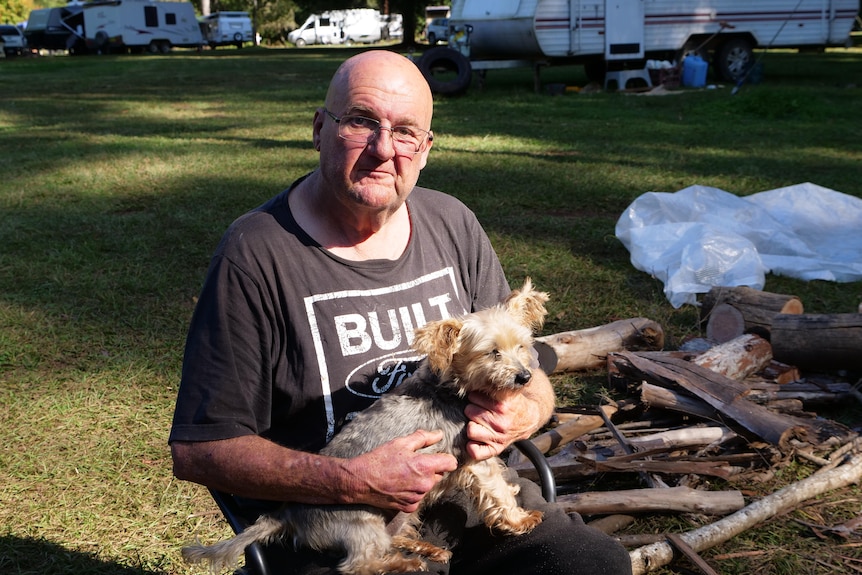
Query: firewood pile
column 737, row 404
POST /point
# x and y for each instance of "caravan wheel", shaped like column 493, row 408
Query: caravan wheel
column 447, row 71
column 733, row 59
column 153, row 47
column 165, row 47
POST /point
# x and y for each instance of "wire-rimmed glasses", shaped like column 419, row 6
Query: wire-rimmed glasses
column 407, row 140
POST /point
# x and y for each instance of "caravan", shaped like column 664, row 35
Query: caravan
column 340, row 27
column 600, row 34
column 115, row 25
column 227, row 28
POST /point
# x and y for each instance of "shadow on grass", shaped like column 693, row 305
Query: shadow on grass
column 25, row 556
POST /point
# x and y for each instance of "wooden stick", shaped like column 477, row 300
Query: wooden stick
column 572, row 429
column 660, row 499
column 612, row 523
column 647, row 558
column 692, row 555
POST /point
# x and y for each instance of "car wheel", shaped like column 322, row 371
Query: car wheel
column 432, row 38
column 300, row 42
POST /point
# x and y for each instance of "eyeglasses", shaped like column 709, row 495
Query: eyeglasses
column 359, row 129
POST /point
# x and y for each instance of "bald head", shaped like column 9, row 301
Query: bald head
column 382, row 74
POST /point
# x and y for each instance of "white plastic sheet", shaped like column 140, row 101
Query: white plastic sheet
column 701, row 237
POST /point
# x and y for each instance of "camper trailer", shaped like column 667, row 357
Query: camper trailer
column 360, row 25
column 607, row 34
column 227, row 29
column 115, row 25
column 57, row 29
column 141, row 25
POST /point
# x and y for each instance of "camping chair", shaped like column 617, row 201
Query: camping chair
column 255, row 559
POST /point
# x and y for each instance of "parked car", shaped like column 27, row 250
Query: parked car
column 14, row 43
column 437, row 31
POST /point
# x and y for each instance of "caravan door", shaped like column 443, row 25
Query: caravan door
column 624, row 29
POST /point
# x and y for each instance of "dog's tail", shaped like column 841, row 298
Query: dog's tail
column 225, row 554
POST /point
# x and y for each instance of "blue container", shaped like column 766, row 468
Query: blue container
column 694, row 71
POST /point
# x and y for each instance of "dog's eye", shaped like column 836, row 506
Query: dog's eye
column 495, row 353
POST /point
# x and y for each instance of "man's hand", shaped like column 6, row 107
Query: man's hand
column 497, row 423
column 396, row 476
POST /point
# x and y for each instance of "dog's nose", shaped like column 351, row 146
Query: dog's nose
column 523, row 377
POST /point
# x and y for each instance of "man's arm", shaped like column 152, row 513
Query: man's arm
column 495, row 424
column 393, row 476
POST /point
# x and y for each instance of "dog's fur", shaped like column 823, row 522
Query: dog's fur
column 489, row 351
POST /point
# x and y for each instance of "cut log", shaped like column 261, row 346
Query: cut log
column 645, row 559
column 758, row 308
column 679, row 499
column 725, row 323
column 727, row 396
column 818, row 341
column 738, row 358
column 588, row 348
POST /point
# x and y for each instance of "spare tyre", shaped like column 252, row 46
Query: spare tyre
column 447, row 71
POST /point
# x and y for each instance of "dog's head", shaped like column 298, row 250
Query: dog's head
column 490, row 350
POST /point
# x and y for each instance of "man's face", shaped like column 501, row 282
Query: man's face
column 374, row 175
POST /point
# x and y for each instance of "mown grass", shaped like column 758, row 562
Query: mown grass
column 120, row 173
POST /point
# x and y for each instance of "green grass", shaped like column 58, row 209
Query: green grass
column 120, row 174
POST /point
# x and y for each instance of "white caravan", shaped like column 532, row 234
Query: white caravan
column 491, row 34
column 140, row 25
column 339, row 27
column 226, row 29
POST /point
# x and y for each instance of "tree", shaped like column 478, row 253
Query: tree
column 15, row 11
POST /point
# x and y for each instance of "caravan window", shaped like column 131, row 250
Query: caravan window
column 170, row 18
column 151, row 17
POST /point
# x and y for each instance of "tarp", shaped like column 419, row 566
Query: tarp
column 701, row 237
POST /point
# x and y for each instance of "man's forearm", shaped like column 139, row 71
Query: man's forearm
column 251, row 466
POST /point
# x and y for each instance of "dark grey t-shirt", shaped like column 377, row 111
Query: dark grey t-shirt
column 288, row 340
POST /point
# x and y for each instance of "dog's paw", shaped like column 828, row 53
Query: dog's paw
column 423, row 548
column 517, row 522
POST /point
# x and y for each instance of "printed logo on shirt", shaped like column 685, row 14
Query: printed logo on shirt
column 362, row 338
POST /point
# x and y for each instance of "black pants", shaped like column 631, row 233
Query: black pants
column 561, row 545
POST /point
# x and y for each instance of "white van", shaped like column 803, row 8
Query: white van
column 227, row 28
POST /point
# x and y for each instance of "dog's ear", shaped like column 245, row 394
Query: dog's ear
column 527, row 306
column 438, row 340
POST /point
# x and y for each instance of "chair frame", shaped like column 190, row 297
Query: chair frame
column 255, row 559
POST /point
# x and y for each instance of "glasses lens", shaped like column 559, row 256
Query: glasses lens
column 405, row 139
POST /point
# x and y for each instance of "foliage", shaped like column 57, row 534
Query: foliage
column 15, row 11
column 121, row 172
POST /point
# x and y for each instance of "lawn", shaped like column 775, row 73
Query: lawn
column 121, row 172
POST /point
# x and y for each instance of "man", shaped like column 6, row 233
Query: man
column 306, row 317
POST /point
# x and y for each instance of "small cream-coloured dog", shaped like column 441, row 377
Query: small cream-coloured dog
column 489, row 351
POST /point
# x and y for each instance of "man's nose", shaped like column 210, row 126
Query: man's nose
column 382, row 146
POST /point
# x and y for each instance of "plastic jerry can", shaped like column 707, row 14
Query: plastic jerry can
column 694, row 71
